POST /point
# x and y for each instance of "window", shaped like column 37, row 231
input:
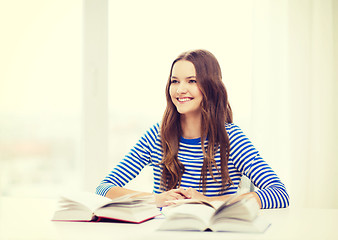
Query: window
column 40, row 96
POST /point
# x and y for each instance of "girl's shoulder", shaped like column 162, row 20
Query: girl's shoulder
column 156, row 127
column 153, row 131
column 232, row 128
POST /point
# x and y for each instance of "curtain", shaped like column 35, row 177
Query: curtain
column 295, row 101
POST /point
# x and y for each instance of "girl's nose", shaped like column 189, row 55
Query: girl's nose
column 181, row 88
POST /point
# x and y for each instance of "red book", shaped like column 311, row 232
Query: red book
column 86, row 206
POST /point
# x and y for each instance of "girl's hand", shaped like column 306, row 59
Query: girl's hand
column 173, row 194
column 194, row 194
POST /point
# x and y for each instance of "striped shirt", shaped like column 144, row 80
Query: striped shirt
column 244, row 159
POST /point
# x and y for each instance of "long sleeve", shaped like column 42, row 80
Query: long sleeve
column 247, row 160
column 129, row 167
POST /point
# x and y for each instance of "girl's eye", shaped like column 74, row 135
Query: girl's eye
column 174, row 81
column 192, row 81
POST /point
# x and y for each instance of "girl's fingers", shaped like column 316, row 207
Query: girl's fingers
column 179, row 196
column 175, row 196
column 182, row 192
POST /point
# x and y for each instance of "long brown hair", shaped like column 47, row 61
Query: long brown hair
column 216, row 112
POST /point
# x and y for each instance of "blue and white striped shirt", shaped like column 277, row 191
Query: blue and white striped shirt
column 244, row 159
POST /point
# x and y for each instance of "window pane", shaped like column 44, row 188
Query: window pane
column 40, row 96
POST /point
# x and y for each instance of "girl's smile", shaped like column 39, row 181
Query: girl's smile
column 183, row 100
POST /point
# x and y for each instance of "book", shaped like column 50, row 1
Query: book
column 87, row 206
column 200, row 215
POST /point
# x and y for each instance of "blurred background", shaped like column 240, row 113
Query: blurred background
column 82, row 80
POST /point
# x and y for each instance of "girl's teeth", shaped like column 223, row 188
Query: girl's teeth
column 184, row 99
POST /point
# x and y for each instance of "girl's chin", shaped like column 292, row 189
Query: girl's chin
column 189, row 112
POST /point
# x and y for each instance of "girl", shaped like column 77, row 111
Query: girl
column 196, row 151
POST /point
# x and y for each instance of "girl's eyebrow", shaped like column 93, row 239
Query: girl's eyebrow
column 190, row 77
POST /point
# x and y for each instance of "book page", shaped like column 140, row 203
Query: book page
column 84, row 205
column 88, row 200
column 213, row 204
column 245, row 209
column 198, row 211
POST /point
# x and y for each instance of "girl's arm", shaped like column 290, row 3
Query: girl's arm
column 113, row 184
column 271, row 192
column 160, row 199
column 192, row 193
column 127, row 169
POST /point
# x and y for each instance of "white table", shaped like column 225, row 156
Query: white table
column 30, row 219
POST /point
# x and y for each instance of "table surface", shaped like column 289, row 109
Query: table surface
column 30, row 219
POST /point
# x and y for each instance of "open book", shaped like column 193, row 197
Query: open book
column 196, row 215
column 86, row 206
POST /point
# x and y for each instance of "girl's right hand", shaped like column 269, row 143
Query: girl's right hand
column 173, row 194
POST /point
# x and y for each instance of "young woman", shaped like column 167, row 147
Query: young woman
column 196, row 151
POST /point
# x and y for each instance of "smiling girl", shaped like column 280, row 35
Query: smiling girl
column 196, row 151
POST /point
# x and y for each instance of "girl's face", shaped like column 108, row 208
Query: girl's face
column 184, row 91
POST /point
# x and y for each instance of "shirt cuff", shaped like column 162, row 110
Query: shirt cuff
column 102, row 189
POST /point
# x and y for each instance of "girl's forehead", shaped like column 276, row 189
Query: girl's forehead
column 183, row 68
